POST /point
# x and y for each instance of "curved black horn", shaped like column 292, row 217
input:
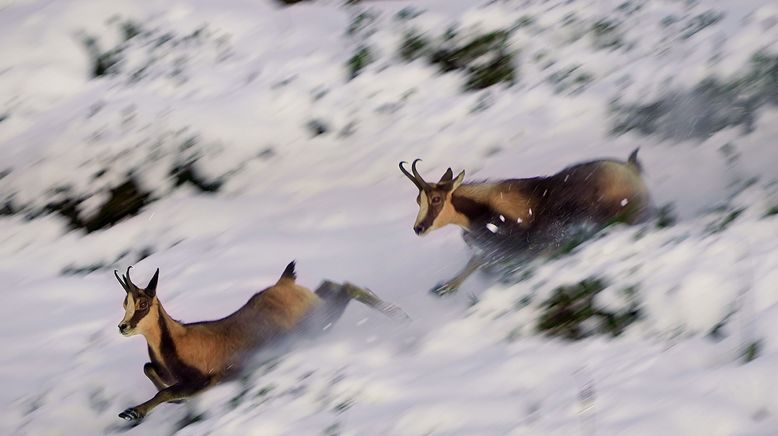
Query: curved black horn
column 410, row 176
column 124, row 285
column 418, row 176
column 130, row 284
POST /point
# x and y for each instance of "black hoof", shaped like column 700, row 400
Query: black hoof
column 443, row 289
column 395, row 312
column 131, row 414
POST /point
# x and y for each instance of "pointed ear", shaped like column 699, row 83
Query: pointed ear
column 151, row 288
column 458, row 181
column 447, row 176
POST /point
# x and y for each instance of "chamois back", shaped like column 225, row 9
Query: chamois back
column 597, row 193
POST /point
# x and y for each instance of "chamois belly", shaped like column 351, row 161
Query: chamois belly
column 213, row 356
column 496, row 243
column 220, row 348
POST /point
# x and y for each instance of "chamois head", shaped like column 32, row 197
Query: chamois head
column 137, row 304
column 434, row 199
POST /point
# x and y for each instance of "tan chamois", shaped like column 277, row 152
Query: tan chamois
column 188, row 358
column 521, row 218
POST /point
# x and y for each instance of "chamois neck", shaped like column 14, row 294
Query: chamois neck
column 471, row 202
column 163, row 324
column 509, row 200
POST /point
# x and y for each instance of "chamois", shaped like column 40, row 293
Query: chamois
column 521, row 218
column 188, row 358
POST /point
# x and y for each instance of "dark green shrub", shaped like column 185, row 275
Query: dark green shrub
column 751, row 351
column 187, row 173
column 724, row 221
column 710, row 106
column 413, row 46
column 666, row 216
column 571, row 312
column 124, row 201
column 359, row 61
column 606, row 34
column 486, row 59
column 700, row 22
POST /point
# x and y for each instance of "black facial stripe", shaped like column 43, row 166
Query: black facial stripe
column 433, row 210
column 138, row 315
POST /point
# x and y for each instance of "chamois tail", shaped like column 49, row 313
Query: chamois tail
column 289, row 273
column 634, row 162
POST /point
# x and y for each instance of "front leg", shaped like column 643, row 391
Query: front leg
column 178, row 391
column 152, row 373
column 451, row 286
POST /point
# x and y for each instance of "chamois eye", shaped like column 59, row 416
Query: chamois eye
column 435, row 200
column 143, row 305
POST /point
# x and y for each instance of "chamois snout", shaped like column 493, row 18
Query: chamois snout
column 419, row 229
column 123, row 327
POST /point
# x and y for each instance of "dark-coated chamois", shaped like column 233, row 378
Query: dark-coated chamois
column 188, row 358
column 522, row 218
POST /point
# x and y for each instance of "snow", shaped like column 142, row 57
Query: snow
column 238, row 99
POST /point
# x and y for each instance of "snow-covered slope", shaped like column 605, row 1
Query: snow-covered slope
column 253, row 134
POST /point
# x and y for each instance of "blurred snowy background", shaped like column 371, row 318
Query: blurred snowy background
column 218, row 140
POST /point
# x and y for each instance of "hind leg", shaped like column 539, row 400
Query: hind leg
column 370, row 299
column 334, row 301
column 336, row 298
